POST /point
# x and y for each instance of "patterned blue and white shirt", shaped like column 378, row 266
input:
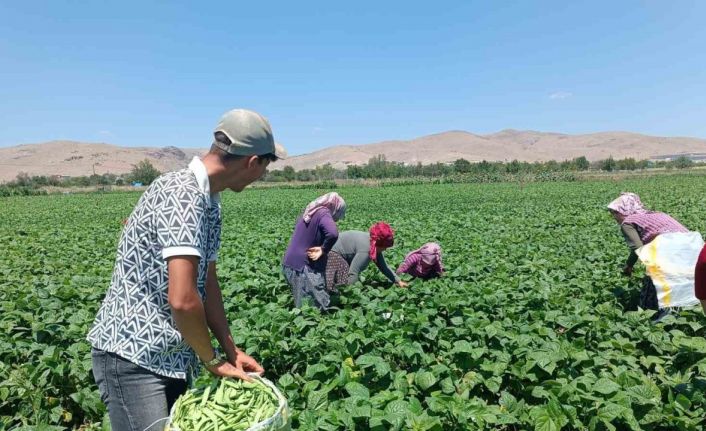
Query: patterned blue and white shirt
column 176, row 216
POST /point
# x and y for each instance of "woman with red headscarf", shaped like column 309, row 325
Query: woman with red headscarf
column 353, row 252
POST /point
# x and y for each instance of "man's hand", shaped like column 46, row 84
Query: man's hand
column 314, row 253
column 246, row 363
column 627, row 270
column 402, row 283
column 226, row 369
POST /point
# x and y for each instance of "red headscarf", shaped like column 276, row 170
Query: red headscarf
column 381, row 235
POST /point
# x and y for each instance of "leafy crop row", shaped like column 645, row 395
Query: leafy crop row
column 533, row 327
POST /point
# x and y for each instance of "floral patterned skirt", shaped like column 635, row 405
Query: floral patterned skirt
column 336, row 271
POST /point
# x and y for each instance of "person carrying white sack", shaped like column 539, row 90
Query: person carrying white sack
column 663, row 244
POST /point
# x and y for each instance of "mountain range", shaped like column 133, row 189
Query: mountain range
column 70, row 158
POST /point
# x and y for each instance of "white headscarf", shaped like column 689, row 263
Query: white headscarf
column 430, row 253
column 332, row 201
column 627, row 204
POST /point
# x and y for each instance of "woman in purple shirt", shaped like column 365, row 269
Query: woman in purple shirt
column 304, row 262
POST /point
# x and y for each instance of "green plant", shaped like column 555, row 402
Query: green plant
column 532, row 326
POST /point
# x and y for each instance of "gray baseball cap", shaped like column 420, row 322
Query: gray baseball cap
column 249, row 133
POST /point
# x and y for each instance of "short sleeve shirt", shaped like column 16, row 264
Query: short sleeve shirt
column 176, row 216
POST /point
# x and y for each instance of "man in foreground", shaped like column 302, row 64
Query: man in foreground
column 164, row 301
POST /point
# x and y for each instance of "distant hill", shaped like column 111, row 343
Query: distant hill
column 506, row 145
column 71, row 158
column 76, row 158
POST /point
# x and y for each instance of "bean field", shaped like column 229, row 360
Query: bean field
column 532, row 327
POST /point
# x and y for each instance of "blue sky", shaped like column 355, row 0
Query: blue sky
column 328, row 73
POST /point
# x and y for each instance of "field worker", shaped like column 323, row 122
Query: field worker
column 304, row 263
column 700, row 278
column 424, row 262
column 354, row 251
column 164, row 301
column 639, row 227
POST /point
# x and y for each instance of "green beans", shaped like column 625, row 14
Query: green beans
column 224, row 405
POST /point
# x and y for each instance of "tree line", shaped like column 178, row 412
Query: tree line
column 378, row 167
column 24, row 184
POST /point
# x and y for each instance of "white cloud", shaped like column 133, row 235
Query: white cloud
column 105, row 133
column 558, row 95
column 317, row 129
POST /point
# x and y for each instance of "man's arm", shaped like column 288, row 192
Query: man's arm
column 189, row 314
column 187, row 309
column 217, row 321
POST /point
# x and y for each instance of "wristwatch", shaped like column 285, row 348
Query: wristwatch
column 217, row 359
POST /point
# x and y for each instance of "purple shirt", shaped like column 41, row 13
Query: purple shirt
column 414, row 266
column 321, row 231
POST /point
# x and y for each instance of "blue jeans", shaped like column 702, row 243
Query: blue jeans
column 137, row 399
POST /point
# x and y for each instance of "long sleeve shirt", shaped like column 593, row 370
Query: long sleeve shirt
column 411, row 266
column 700, row 276
column 640, row 229
column 321, row 231
column 354, row 247
column 632, row 239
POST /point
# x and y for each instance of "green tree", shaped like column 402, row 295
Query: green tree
column 355, row 171
column 582, row 163
column 324, row 172
column 683, row 162
column 377, row 166
column 608, row 164
column 627, row 164
column 462, row 166
column 484, row 167
column 23, row 179
column 514, row 167
column 305, row 175
column 144, row 172
column 551, row 165
column 289, row 173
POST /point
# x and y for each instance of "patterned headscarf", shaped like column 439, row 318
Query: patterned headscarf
column 430, row 253
column 332, row 201
column 627, row 204
column 381, row 235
